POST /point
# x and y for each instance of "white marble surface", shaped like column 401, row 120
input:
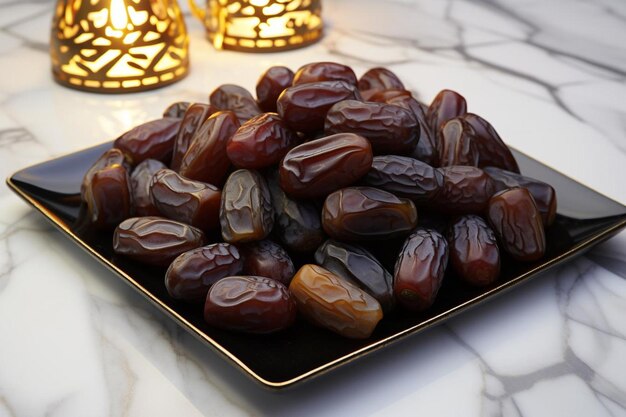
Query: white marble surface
column 550, row 75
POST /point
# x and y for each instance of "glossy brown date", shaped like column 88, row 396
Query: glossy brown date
column 474, row 252
column 260, row 142
column 191, row 274
column 249, row 304
column 385, row 96
column 321, row 166
column 246, row 212
column 419, row 269
column 267, row 259
column 303, row 107
column 177, row 109
column 544, row 194
column 269, row 86
column 492, row 151
column 457, row 144
column 195, row 116
column 206, row 159
column 140, row 181
column 155, row 240
column 389, row 128
column 357, row 265
column 514, row 217
column 405, row 177
column 110, row 158
column 236, row 99
column 465, row 190
column 366, row 213
column 324, row 71
column 151, row 140
column 378, row 79
column 334, row 303
column 447, row 105
column 192, row 202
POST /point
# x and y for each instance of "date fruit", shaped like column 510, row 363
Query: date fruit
column 177, row 109
column 366, row 213
column 419, row 269
column 457, row 144
column 192, row 120
column 271, row 83
column 492, row 151
column 334, row 303
column 267, row 259
column 151, row 140
column 324, row 71
column 236, row 99
column 140, row 181
column 155, row 240
column 192, row 273
column 249, row 304
column 447, row 105
column 385, row 96
column 378, row 79
column 466, row 190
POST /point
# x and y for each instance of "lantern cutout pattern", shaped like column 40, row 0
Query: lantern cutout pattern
column 261, row 25
column 118, row 46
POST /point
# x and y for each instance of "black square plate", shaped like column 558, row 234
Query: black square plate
column 584, row 219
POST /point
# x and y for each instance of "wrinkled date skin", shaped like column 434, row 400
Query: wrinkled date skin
column 360, row 267
column 177, row 109
column 324, row 71
column 514, row 217
column 366, row 213
column 544, row 194
column 334, row 303
column 110, row 158
column 155, row 240
column 206, row 159
column 260, row 142
column 387, row 95
column 405, row 177
column 457, row 144
column 151, row 140
column 389, row 128
column 269, row 86
column 192, row 202
column 191, row 274
column 236, row 99
column 378, row 79
column 192, row 120
column 303, row 107
column 249, row 304
column 447, row 105
column 492, row 151
column 321, row 166
column 419, row 269
column 268, row 259
column 297, row 222
column 465, row 190
column 246, row 212
column 474, row 252
column 140, row 181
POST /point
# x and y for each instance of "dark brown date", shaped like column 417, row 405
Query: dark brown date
column 177, row 109
column 389, row 128
column 249, row 304
column 419, row 269
column 151, row 140
column 378, row 79
column 405, row 177
column 324, row 71
column 271, row 83
column 110, row 158
column 474, row 252
column 192, row 202
column 206, row 159
column 321, row 166
column 193, row 119
column 447, row 104
column 246, row 212
column 544, row 194
column 236, row 99
column 155, row 240
column 140, row 181
column 466, row 190
column 385, row 96
column 366, row 213
column 260, row 142
column 357, row 265
column 191, row 274
column 268, row 259
column 514, row 217
column 303, row 107
column 457, row 144
column 492, row 151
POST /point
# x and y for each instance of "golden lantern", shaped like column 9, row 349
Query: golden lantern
column 261, row 25
column 118, row 46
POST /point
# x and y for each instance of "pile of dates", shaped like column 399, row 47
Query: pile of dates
column 226, row 194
